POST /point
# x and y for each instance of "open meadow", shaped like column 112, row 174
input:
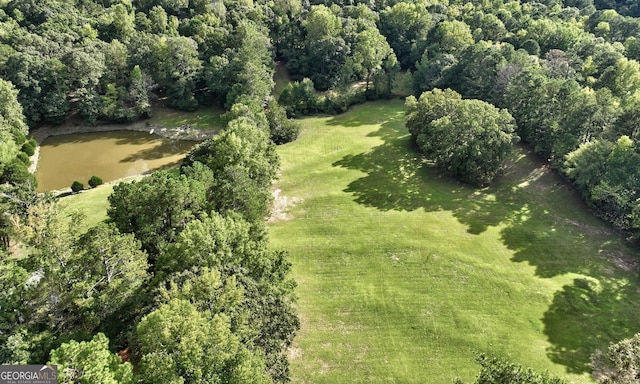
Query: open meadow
column 403, row 274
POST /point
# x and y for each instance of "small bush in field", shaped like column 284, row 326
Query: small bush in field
column 77, row 186
column 94, row 181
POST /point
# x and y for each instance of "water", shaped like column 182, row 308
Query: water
column 108, row 155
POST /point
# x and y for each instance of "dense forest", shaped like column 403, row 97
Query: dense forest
column 183, row 266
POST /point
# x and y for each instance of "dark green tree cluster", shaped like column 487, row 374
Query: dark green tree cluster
column 624, row 7
column 334, row 46
column 111, row 60
column 180, row 278
column 469, row 139
column 17, row 184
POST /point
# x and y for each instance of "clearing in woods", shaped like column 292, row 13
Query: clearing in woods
column 403, row 274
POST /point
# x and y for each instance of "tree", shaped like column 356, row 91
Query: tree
column 76, row 186
column 470, row 141
column 94, row 181
column 495, row 370
column 370, row 51
column 431, row 106
column 244, row 163
column 177, row 67
column 405, row 25
column 109, row 268
column 299, row 98
column 607, row 175
column 238, row 250
column 11, row 117
column 281, row 129
column 450, row 37
column 326, row 49
column 250, row 69
column 39, row 81
column 620, row 364
column 180, row 344
column 623, row 79
column 156, row 208
column 90, row 362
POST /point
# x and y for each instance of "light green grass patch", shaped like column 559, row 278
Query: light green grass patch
column 404, row 274
column 92, row 204
column 203, row 118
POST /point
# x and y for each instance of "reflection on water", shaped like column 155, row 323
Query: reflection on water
column 109, row 155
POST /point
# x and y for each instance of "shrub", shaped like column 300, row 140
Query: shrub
column 15, row 172
column 497, row 370
column 24, row 158
column 19, row 138
column 28, row 148
column 282, row 130
column 77, row 186
column 94, row 181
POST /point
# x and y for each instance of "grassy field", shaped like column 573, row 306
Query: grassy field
column 91, row 203
column 403, row 274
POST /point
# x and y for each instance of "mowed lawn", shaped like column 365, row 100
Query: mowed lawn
column 404, row 274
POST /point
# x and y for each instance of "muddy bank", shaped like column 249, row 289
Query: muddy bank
column 184, row 132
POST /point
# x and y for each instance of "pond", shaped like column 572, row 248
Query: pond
column 108, row 155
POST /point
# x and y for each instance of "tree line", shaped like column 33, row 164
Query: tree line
column 191, row 255
column 179, row 279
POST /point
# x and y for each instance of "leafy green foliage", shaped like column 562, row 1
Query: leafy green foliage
column 469, row 139
column 405, row 25
column 156, row 208
column 28, row 149
column 620, row 363
column 244, row 163
column 282, row 130
column 90, row 362
column 179, row 343
column 495, row 370
column 94, row 181
column 94, row 276
column 606, row 174
column 76, row 186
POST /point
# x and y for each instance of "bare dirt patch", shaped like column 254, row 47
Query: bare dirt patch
column 295, row 353
column 281, row 205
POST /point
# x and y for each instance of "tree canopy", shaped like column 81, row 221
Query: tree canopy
column 469, row 139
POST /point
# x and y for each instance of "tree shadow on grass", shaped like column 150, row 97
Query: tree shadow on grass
column 398, row 178
column 589, row 315
column 542, row 222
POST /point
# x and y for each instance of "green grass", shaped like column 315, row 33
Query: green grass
column 203, row 118
column 91, row 203
column 403, row 274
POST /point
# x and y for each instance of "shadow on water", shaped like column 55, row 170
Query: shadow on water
column 120, row 137
column 543, row 223
column 164, row 148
